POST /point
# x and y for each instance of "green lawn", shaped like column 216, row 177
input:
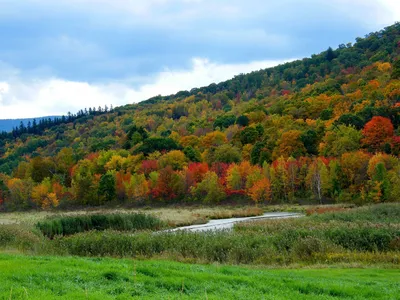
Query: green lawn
column 29, row 277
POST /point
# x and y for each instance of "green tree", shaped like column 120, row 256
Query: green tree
column 83, row 183
column 107, row 189
column 243, row 121
column 396, row 70
column 310, row 141
column 209, row 190
column 224, row 121
column 249, row 135
column 330, row 55
column 192, row 154
column 223, row 154
column 151, row 145
column 340, row 140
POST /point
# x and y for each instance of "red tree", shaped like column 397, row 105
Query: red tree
column 377, row 132
column 148, row 166
column 396, row 145
column 197, row 171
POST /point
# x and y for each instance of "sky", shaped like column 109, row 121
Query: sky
column 62, row 56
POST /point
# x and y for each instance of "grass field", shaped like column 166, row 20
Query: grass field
column 27, row 277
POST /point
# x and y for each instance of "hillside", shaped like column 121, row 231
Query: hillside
column 324, row 128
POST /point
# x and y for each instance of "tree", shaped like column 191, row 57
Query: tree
column 192, row 154
column 215, row 139
column 107, row 187
column 350, row 120
column 354, row 166
column 330, row 55
column 279, row 179
column 377, row 133
column 326, row 114
column 41, row 168
column 396, row 70
column 84, row 184
column 151, row 145
column 225, row 154
column 234, row 179
column 43, row 196
column 340, row 140
column 382, row 183
column 209, row 190
column 290, row 144
column 224, row 121
column 134, row 136
column 260, row 191
column 169, row 185
column 318, row 178
column 243, row 121
column 197, row 171
column 19, row 193
column 256, row 153
column 64, row 163
column 137, row 188
column 249, row 135
column 176, row 159
column 310, row 140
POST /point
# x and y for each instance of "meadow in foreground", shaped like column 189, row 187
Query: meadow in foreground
column 27, row 277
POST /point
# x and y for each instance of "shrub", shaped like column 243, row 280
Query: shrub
column 19, row 237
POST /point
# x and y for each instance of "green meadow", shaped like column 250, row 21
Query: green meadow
column 47, row 277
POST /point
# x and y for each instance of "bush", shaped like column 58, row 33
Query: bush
column 19, row 237
column 306, row 248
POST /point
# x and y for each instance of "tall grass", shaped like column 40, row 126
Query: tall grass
column 119, row 222
column 380, row 213
column 21, row 238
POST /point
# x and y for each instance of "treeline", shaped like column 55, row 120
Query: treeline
column 38, row 127
column 109, row 178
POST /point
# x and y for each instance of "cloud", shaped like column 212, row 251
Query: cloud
column 63, row 55
column 102, row 40
column 57, row 96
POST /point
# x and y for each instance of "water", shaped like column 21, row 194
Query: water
column 229, row 223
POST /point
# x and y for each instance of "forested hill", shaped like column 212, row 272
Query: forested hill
column 325, row 127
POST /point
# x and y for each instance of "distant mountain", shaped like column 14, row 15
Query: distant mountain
column 8, row 124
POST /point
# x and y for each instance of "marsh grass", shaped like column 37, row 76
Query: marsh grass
column 120, row 222
column 363, row 235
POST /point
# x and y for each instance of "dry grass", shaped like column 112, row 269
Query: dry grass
column 175, row 216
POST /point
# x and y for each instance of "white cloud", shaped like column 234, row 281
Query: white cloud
column 56, row 96
column 371, row 13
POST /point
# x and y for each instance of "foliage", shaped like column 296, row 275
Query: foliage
column 209, row 190
column 337, row 109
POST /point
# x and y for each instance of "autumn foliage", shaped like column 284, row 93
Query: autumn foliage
column 377, row 132
column 322, row 129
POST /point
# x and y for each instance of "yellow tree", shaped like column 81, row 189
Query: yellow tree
column 43, row 196
column 290, row 144
column 176, row 159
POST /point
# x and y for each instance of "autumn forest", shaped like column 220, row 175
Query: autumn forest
column 323, row 129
